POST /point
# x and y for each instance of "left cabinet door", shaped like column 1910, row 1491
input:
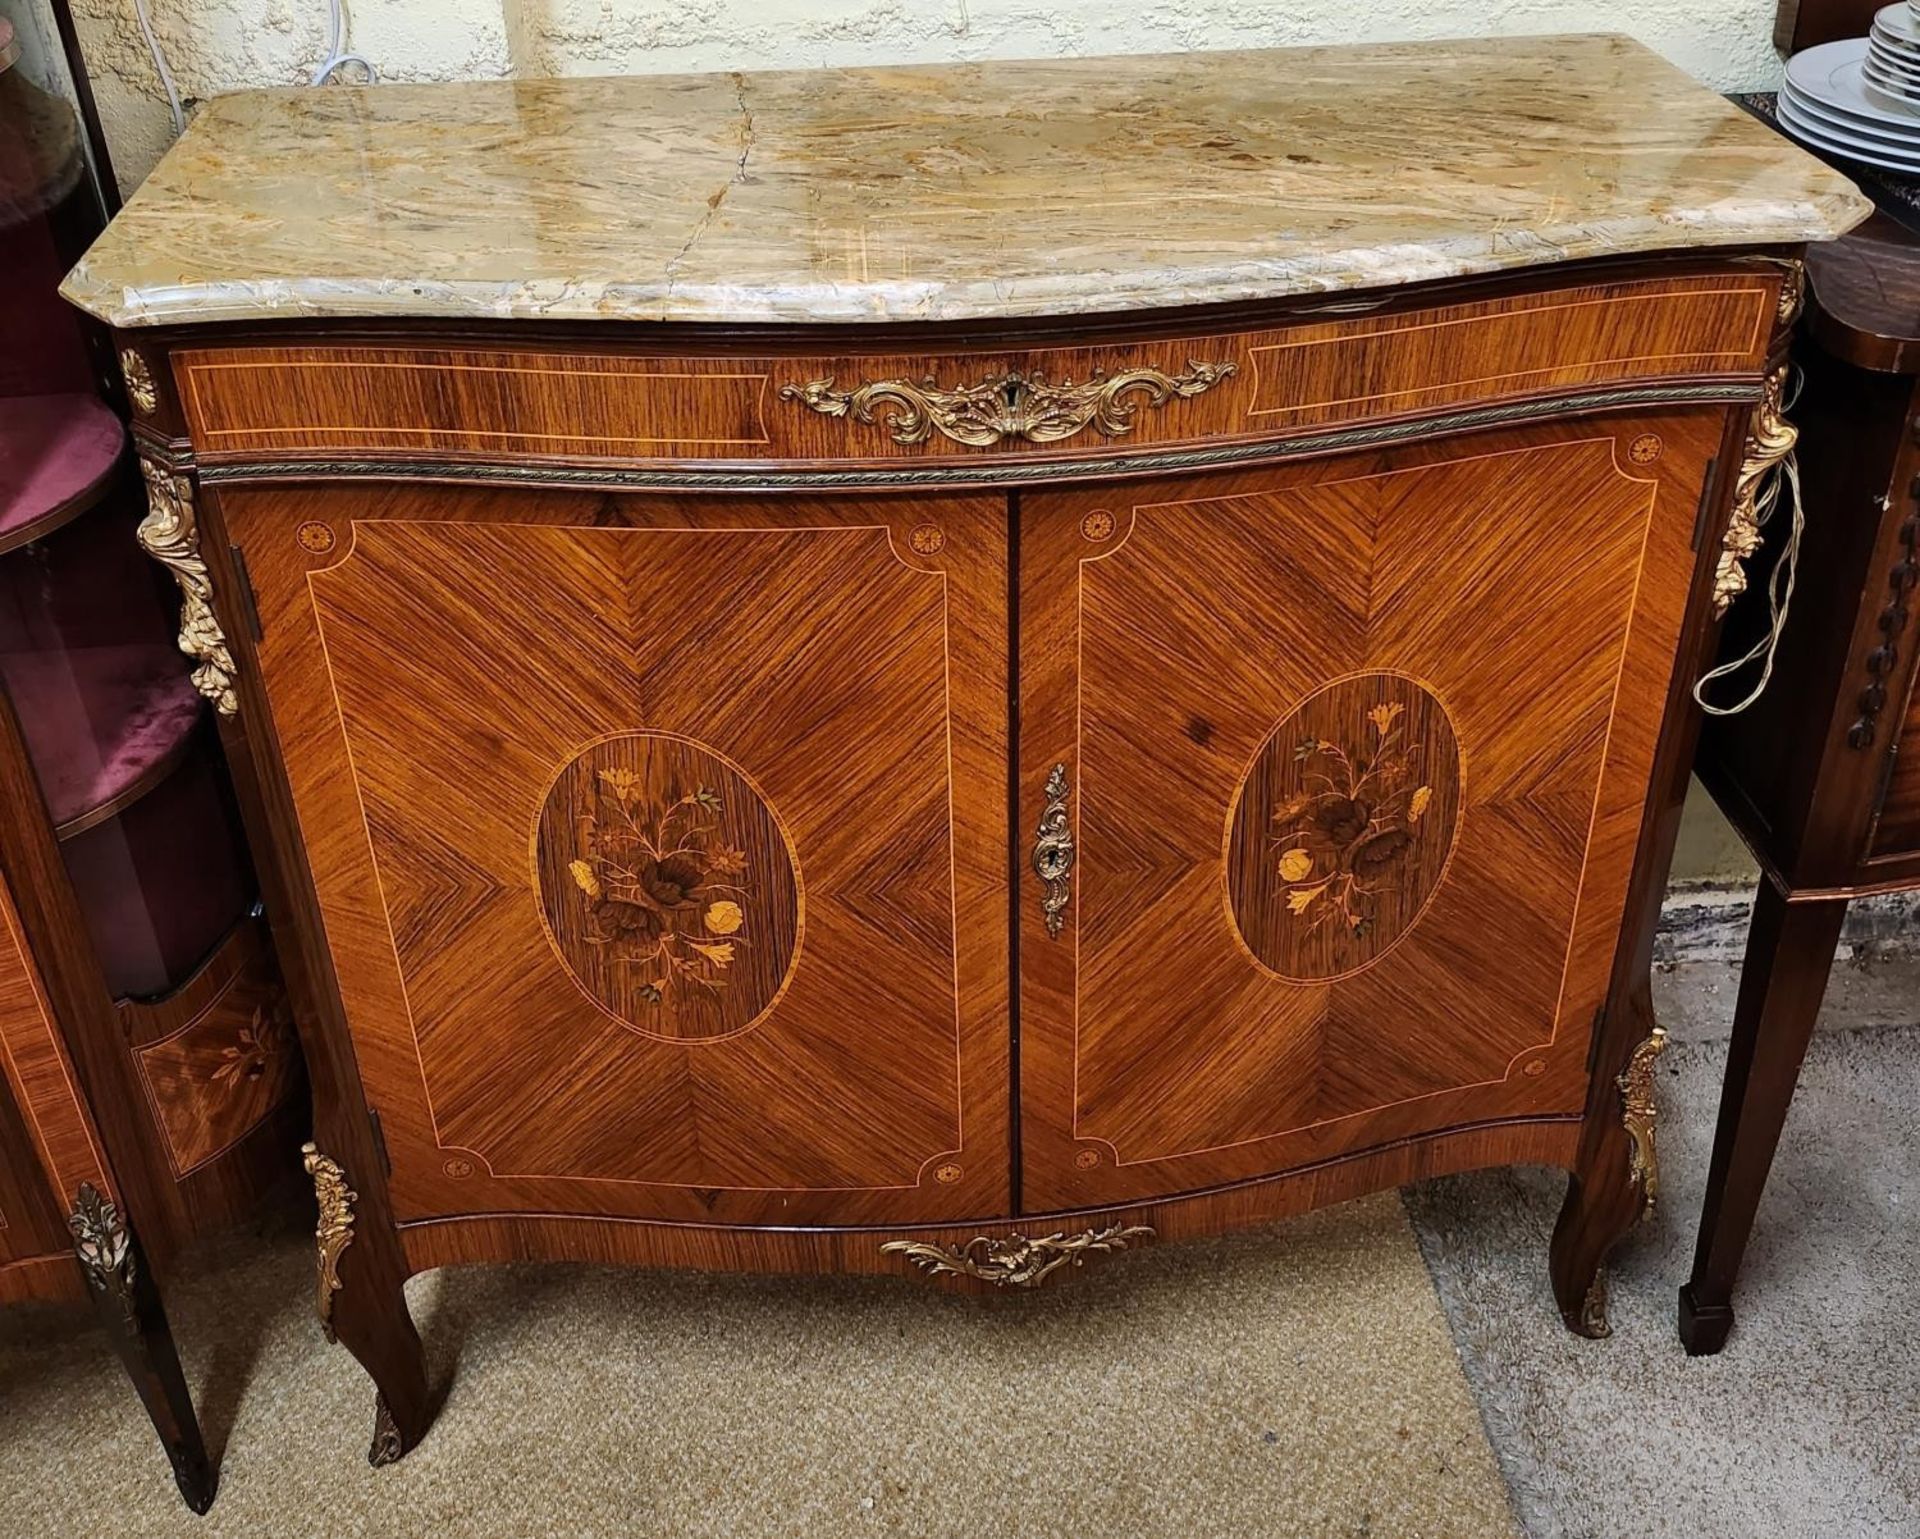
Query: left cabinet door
column 660, row 843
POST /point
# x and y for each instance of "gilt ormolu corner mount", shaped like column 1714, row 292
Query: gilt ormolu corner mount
column 1125, row 660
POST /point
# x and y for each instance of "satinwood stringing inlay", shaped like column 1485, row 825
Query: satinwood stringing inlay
column 1343, row 827
column 667, row 886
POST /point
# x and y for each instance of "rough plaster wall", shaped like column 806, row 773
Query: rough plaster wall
column 223, row 45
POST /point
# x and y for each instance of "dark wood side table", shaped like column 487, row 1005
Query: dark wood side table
column 1822, row 775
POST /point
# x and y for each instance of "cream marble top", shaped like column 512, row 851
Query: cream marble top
column 946, row 193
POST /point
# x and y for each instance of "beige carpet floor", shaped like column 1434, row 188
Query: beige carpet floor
column 1290, row 1384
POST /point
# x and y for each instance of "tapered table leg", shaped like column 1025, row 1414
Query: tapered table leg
column 128, row 1305
column 1790, row 950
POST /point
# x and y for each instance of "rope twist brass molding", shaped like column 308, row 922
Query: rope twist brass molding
column 1014, row 405
column 1053, row 853
column 1639, row 1113
column 1015, row 1261
column 169, row 535
column 1769, row 441
column 334, row 1231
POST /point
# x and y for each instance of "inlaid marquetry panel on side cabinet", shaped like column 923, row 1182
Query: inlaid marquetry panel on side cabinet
column 319, row 403
column 1357, row 753
column 660, row 843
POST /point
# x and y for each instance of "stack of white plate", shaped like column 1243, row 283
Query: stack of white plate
column 1893, row 53
column 1861, row 98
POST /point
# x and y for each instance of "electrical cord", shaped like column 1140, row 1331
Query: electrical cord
column 338, row 57
column 160, row 68
column 1782, row 485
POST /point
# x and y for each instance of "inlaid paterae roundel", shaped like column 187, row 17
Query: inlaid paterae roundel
column 1343, row 827
column 668, row 887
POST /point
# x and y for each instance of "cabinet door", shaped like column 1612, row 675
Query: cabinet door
column 1353, row 755
column 48, row 1143
column 660, row 844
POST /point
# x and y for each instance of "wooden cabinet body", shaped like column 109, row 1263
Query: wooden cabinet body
column 659, row 828
column 725, row 820
column 491, row 703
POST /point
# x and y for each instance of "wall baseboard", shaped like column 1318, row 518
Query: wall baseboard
column 1707, row 922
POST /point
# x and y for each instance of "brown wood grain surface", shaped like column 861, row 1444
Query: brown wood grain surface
column 30, row 1223
column 1530, row 587
column 652, row 857
column 437, row 661
column 220, row 1057
column 317, row 401
column 39, row 1071
column 579, row 1237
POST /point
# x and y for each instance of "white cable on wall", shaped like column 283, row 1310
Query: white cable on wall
column 160, row 68
column 337, row 58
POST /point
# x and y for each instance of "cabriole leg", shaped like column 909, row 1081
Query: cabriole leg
column 360, row 1291
column 1613, row 1187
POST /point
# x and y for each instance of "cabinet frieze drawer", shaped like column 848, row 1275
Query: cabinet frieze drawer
column 416, row 403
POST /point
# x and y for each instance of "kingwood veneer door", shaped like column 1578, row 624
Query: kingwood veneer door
column 660, row 844
column 1353, row 754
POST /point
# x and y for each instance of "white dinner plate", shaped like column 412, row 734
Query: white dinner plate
column 1898, row 20
column 1845, row 140
column 1878, row 135
column 1869, row 154
column 1831, row 75
column 1904, row 56
column 1882, row 49
column 1889, row 90
column 1879, row 72
column 1907, row 130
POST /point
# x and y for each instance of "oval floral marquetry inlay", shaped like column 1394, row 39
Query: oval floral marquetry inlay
column 1343, row 827
column 668, row 887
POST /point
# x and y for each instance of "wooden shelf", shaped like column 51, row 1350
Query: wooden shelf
column 58, row 454
column 103, row 725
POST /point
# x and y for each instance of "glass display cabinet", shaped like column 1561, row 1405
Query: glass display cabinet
column 150, row 1071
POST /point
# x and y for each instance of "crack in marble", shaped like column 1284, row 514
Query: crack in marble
column 713, row 203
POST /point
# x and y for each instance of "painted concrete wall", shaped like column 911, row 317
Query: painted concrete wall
column 223, row 45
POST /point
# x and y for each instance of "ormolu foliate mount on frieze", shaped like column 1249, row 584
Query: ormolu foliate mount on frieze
column 1011, row 405
column 169, row 535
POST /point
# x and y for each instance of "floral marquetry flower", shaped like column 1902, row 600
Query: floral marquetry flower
column 674, row 883
column 1351, row 821
column 651, row 876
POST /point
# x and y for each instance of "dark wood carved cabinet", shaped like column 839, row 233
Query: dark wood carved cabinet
column 961, row 797
column 1822, row 775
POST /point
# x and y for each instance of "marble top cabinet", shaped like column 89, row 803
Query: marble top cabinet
column 958, row 670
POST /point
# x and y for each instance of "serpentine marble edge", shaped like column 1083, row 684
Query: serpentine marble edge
column 946, row 193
